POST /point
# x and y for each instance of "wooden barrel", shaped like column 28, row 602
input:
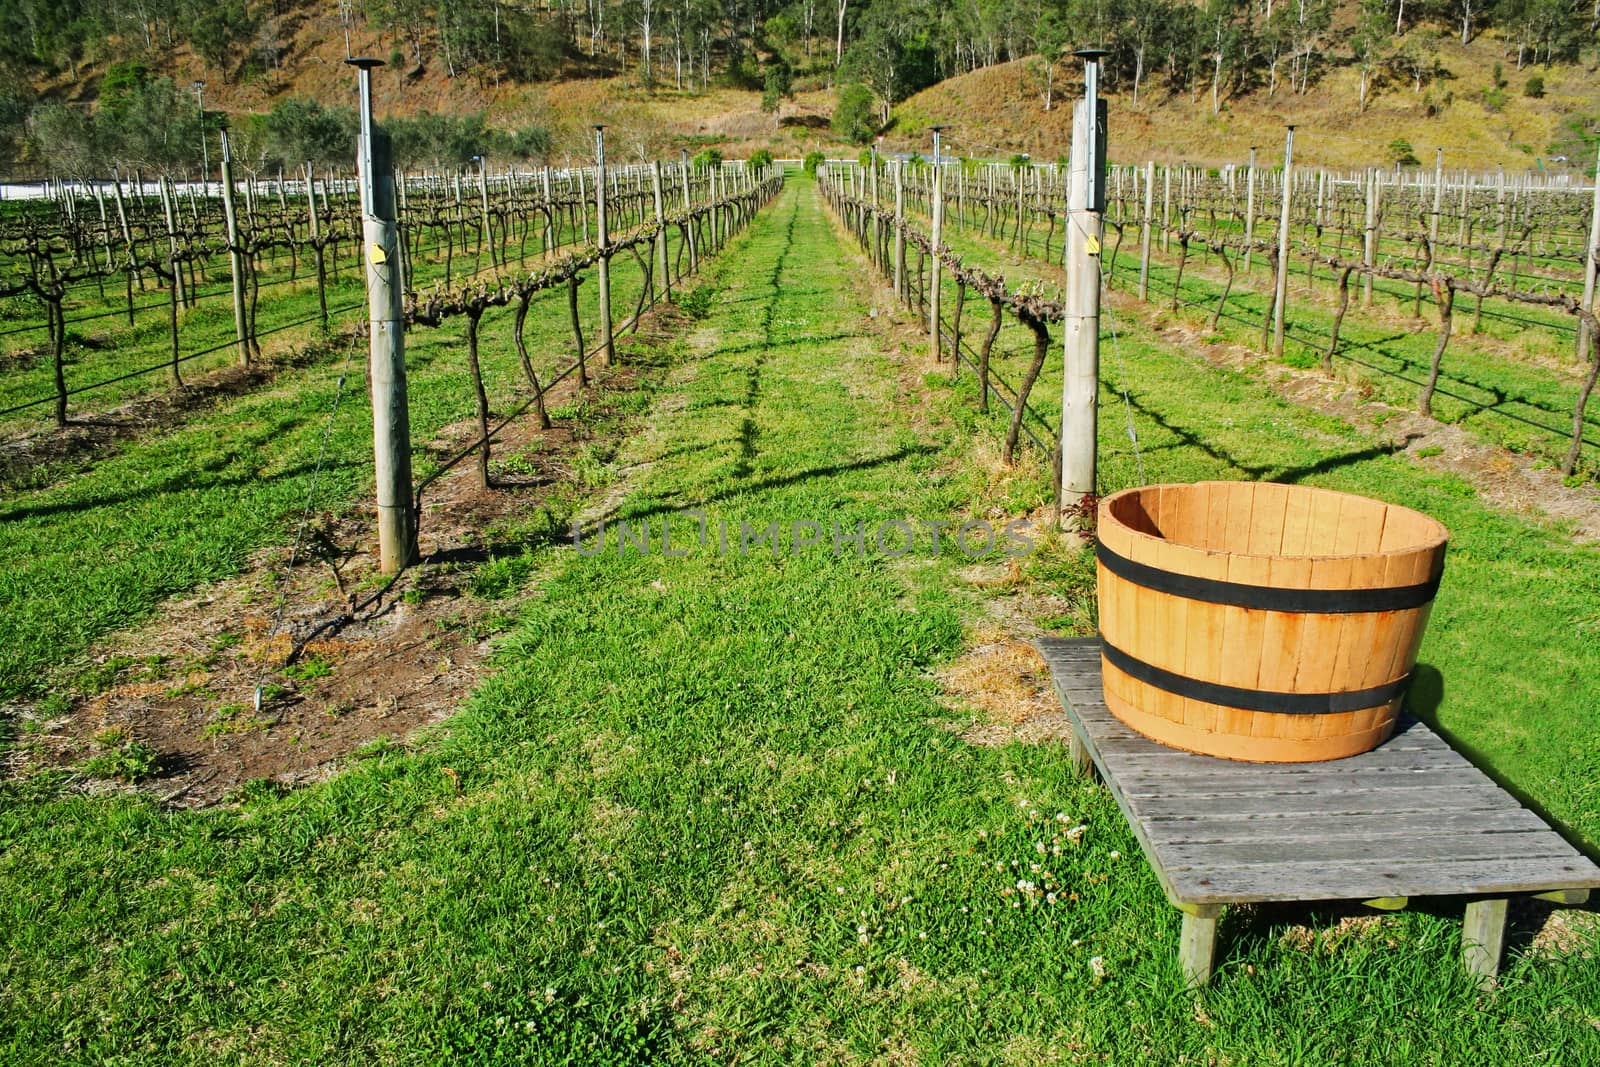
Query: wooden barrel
column 1262, row 622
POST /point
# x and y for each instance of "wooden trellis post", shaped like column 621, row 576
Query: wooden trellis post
column 1144, row 230
column 391, row 415
column 235, row 258
column 1281, row 284
column 1081, row 314
column 938, row 237
column 603, row 242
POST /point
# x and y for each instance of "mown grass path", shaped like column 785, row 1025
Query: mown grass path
column 710, row 809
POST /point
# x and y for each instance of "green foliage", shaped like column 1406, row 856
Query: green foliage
column 1534, row 86
column 777, row 86
column 529, row 143
column 143, row 122
column 760, row 158
column 743, row 71
column 1401, row 153
column 1019, row 161
column 853, row 118
column 16, row 100
column 309, row 669
column 1577, row 140
column 121, row 757
column 220, row 30
column 303, row 131
column 1494, row 100
column 707, row 159
column 812, row 161
column 438, row 140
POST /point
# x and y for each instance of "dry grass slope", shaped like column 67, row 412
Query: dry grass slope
column 1001, row 110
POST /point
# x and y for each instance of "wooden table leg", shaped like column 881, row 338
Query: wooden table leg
column 1197, row 947
column 1078, row 753
column 1483, row 936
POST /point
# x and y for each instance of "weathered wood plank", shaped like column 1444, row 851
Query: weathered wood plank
column 1412, row 818
column 1138, row 759
column 1484, row 797
column 1369, row 852
column 1200, row 785
column 1197, row 829
column 1315, row 881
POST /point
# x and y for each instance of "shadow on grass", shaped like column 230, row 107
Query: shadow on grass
column 1424, row 699
column 1263, row 472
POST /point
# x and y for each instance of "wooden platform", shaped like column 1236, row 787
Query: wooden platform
column 1412, row 818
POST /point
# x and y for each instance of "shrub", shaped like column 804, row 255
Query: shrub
column 1494, row 100
column 760, row 159
column 1401, row 152
column 852, row 117
column 1534, row 88
column 812, row 161
column 707, row 158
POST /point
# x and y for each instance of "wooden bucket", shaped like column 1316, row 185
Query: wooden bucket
column 1263, row 622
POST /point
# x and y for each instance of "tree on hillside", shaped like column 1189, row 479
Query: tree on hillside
column 1051, row 41
column 853, row 114
column 303, row 131
column 63, row 139
column 407, row 20
column 1466, row 10
column 1369, row 45
column 1417, row 59
column 890, row 58
column 1147, row 29
column 1230, row 41
column 220, row 30
column 1312, row 20
column 1545, row 31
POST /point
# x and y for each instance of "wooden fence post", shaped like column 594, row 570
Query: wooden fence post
column 1249, row 208
column 1144, row 230
column 603, row 239
column 1281, row 284
column 1080, row 323
column 391, row 414
column 235, row 260
column 1369, row 247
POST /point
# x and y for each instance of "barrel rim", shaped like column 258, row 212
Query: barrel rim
column 1433, row 544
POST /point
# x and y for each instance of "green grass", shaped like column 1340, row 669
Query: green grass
column 1504, row 576
column 710, row 809
column 1490, row 390
column 98, row 551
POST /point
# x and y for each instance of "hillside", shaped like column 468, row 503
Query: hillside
column 553, row 77
column 1000, row 110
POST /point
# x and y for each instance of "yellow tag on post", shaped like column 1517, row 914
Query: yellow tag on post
column 1092, row 245
column 380, row 256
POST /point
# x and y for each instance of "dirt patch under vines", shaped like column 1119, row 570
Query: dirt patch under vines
column 245, row 684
